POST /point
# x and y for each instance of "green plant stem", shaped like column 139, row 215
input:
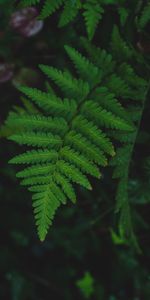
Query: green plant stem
column 127, row 205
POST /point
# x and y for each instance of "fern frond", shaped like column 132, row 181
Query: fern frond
column 99, row 57
column 35, row 180
column 38, row 188
column 118, row 86
column 58, row 192
column 76, row 89
column 44, row 209
column 119, row 46
column 70, row 133
column 92, row 11
column 123, row 13
column 35, row 156
column 36, row 171
column 84, row 146
column 29, row 107
column 80, row 161
column 145, row 16
column 73, row 174
column 121, row 79
column 92, row 15
column 136, row 83
column 108, row 100
column 54, row 105
column 66, row 186
column 88, row 71
column 94, row 134
column 39, row 139
column 25, row 121
column 103, row 117
column 123, row 137
column 50, row 6
column 69, row 12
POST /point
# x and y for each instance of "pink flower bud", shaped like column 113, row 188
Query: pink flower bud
column 6, row 72
column 25, row 21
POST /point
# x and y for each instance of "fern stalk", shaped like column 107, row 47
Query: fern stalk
column 123, row 207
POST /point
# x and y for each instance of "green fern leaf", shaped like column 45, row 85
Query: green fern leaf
column 74, row 174
column 35, row 170
column 93, row 111
column 50, row 6
column 35, row 180
column 119, row 47
column 25, row 122
column 118, row 86
column 99, row 57
column 84, row 146
column 145, row 16
column 35, row 156
column 123, row 13
column 107, row 100
column 66, row 186
column 70, row 133
column 77, row 89
column 38, row 188
column 136, row 83
column 61, row 197
column 80, row 161
column 88, row 71
column 44, row 209
column 39, row 139
column 94, row 134
column 69, row 12
column 92, row 15
column 55, row 104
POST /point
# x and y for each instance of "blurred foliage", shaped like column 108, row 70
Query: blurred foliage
column 86, row 285
column 84, row 245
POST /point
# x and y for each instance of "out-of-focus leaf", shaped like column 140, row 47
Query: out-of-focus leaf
column 86, row 285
